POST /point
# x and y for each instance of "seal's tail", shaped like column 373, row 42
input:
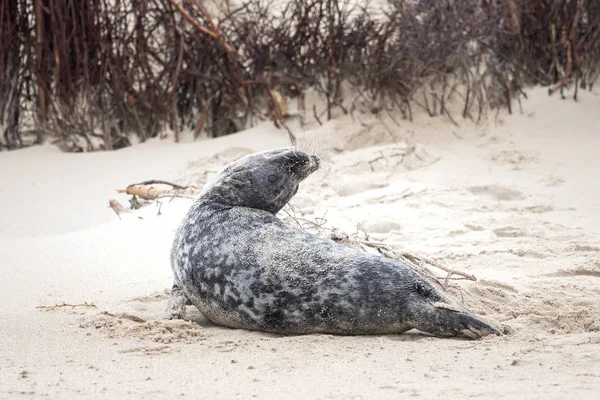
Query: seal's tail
column 446, row 320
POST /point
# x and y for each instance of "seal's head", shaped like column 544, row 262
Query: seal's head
column 266, row 181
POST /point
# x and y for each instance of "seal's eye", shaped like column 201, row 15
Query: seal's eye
column 272, row 178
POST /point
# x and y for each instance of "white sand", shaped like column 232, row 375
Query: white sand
column 516, row 203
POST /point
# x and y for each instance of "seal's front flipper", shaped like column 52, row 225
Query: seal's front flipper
column 176, row 305
column 448, row 321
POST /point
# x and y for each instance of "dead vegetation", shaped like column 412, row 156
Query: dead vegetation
column 95, row 75
column 64, row 305
column 360, row 239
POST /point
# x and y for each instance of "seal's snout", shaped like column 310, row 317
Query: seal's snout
column 315, row 161
column 302, row 164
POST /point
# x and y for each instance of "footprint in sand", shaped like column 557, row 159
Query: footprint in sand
column 509, row 231
column 518, row 159
column 584, row 248
column 553, row 180
column 380, row 226
column 148, row 350
column 496, row 192
column 582, row 271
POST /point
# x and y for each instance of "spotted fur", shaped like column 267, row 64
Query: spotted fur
column 243, row 267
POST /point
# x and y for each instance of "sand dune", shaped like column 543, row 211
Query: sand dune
column 516, row 202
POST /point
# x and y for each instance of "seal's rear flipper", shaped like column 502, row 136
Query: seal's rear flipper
column 448, row 322
column 176, row 305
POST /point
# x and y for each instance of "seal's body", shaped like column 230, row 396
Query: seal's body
column 242, row 267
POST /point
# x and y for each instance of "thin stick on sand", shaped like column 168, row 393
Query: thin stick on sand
column 61, row 305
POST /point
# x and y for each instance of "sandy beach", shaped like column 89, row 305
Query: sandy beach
column 514, row 201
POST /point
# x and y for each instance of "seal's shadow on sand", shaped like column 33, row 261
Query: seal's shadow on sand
column 193, row 315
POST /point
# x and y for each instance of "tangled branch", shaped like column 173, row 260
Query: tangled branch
column 93, row 74
column 417, row 262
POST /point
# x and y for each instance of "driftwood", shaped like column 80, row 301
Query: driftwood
column 145, row 190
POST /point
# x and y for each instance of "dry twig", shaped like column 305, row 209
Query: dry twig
column 62, row 305
column 117, row 207
column 415, row 261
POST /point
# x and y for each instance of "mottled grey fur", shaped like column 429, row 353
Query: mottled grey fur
column 242, row 267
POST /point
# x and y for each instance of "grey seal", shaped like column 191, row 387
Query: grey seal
column 243, row 267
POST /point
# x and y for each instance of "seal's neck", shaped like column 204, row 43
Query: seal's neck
column 238, row 193
column 212, row 202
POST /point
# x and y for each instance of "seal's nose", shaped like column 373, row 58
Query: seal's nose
column 316, row 161
column 302, row 164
